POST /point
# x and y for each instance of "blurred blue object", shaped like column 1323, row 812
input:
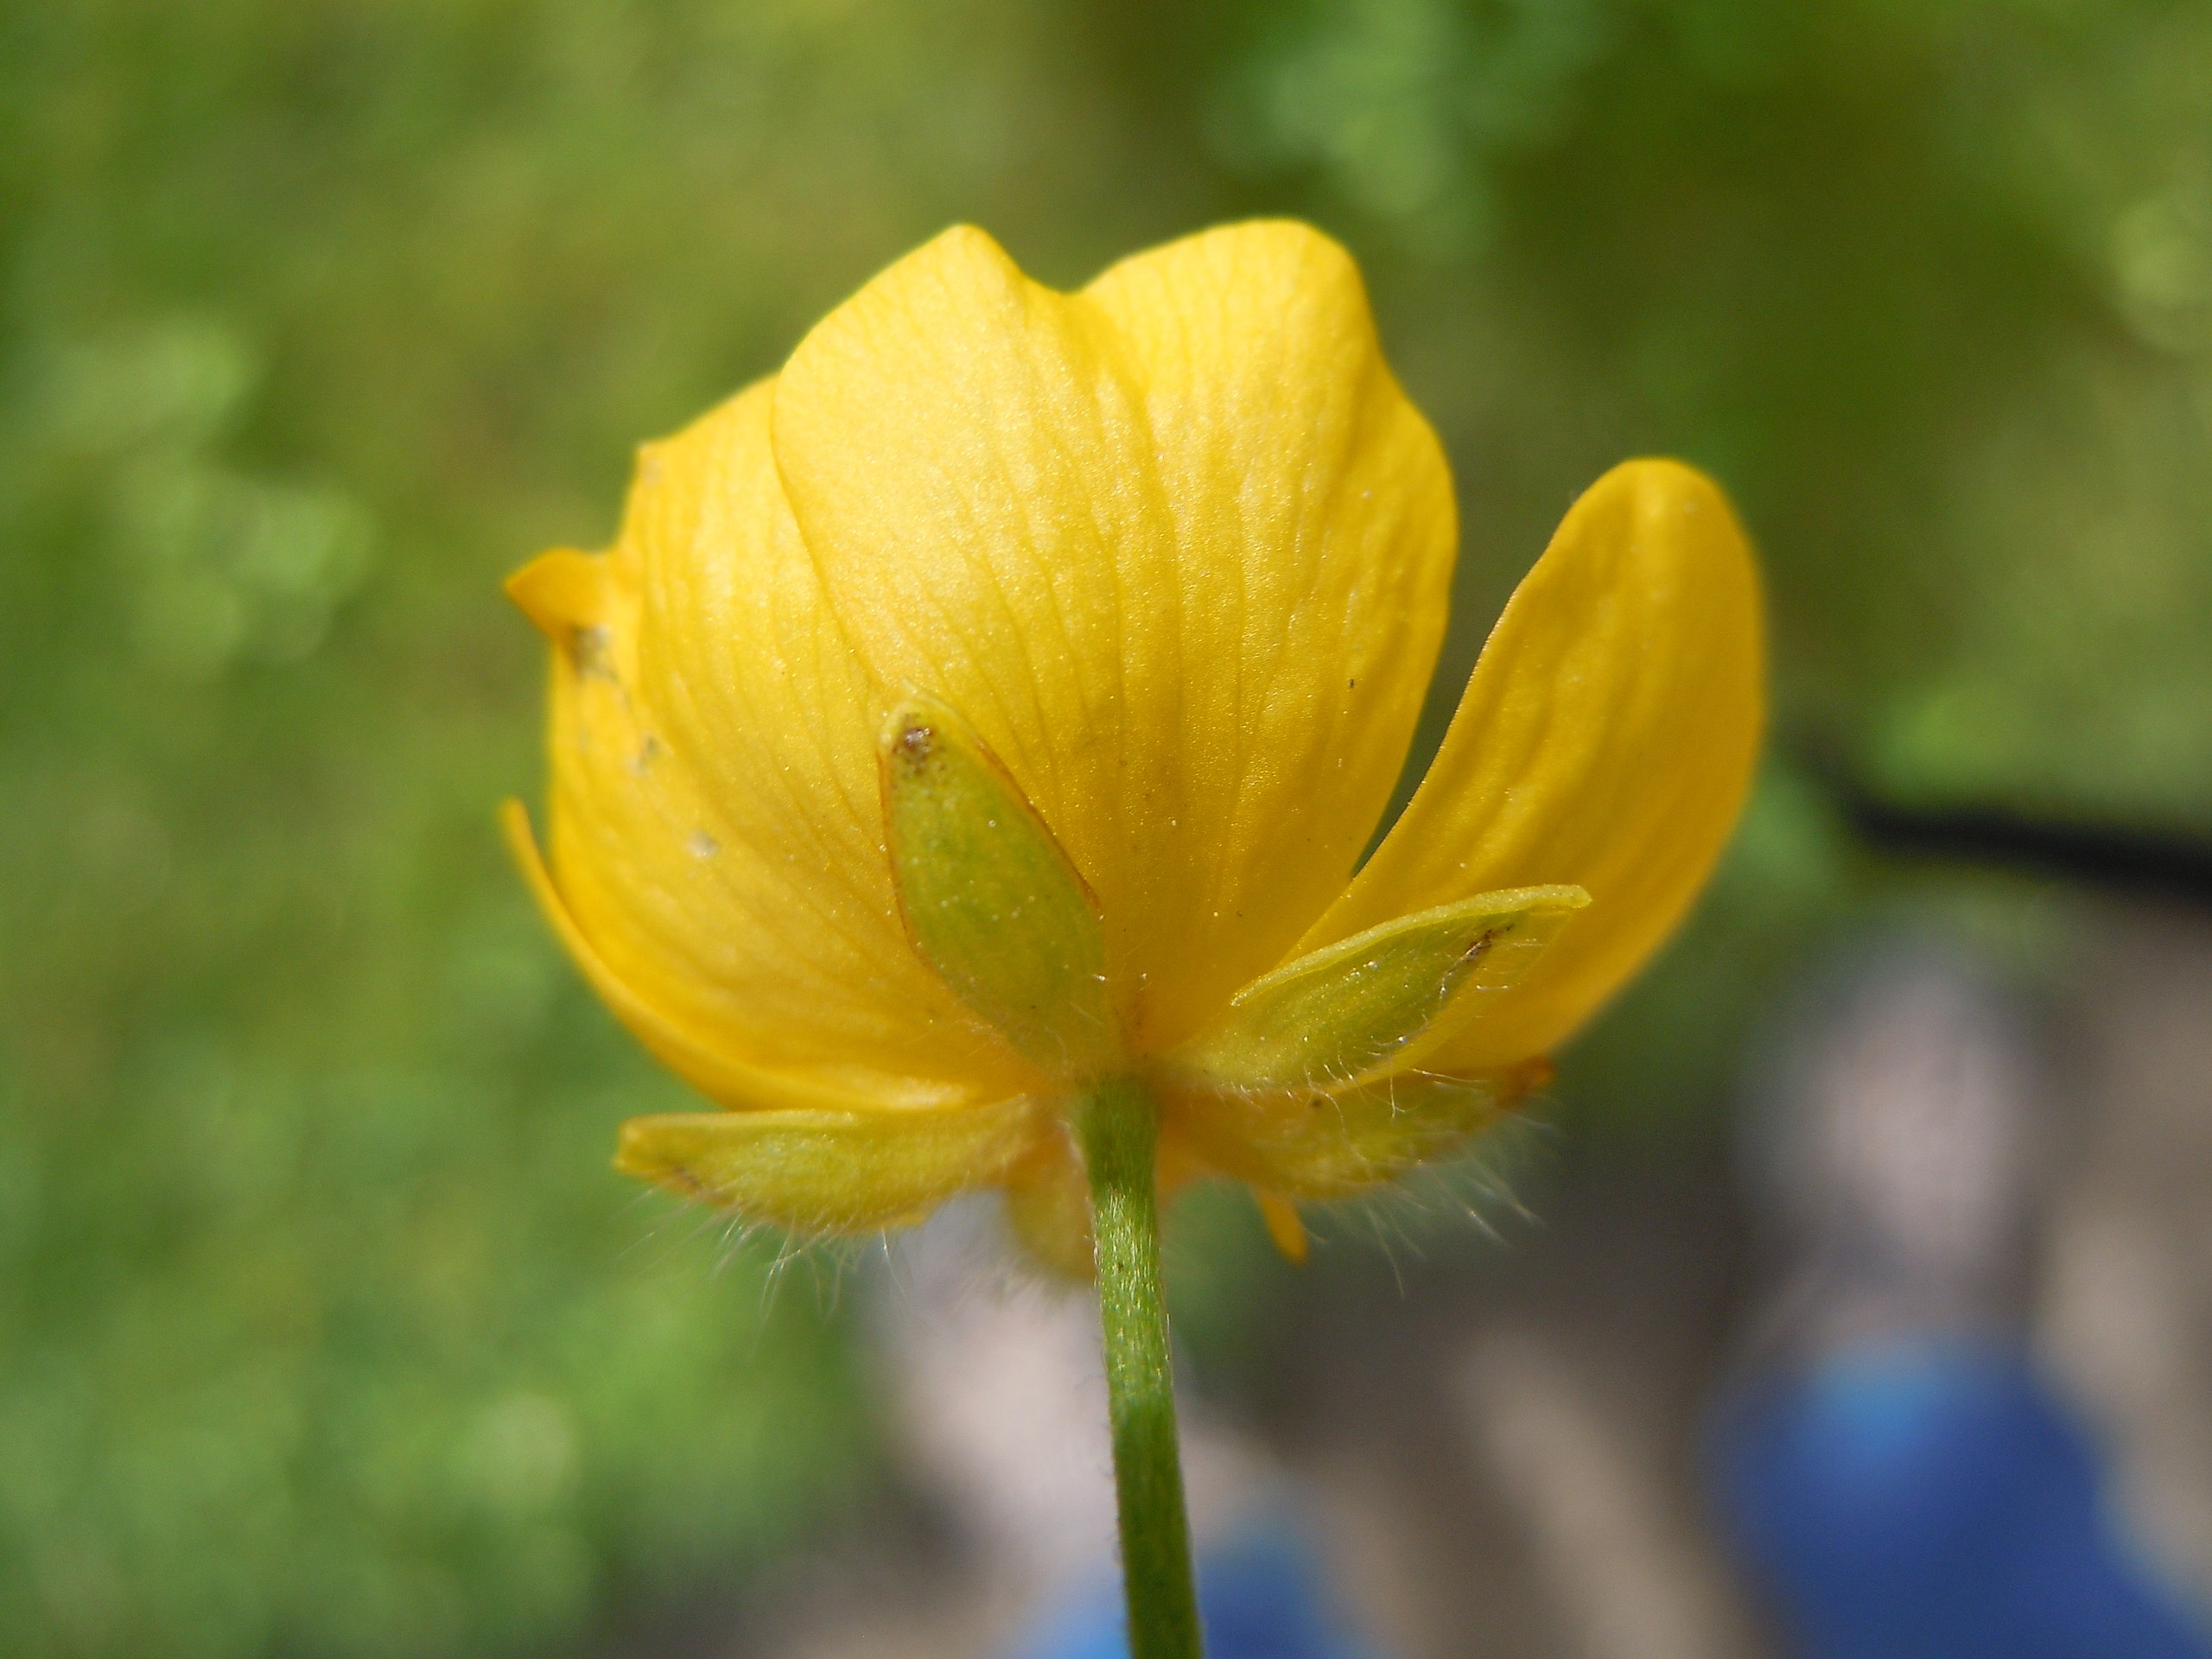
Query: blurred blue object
column 1260, row 1596
column 1932, row 1499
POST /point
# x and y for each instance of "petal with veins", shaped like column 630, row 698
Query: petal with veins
column 716, row 832
column 1606, row 738
column 1176, row 546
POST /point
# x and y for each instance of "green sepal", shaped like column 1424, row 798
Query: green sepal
column 1335, row 1146
column 817, row 1173
column 991, row 901
column 1370, row 1005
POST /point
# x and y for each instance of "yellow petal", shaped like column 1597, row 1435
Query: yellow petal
column 1606, row 738
column 1175, row 547
column 567, row 595
column 828, row 1172
column 1315, row 532
column 716, row 828
column 1376, row 1003
column 1334, row 1146
column 695, row 1052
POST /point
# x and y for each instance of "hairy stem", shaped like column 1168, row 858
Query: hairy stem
column 1119, row 1124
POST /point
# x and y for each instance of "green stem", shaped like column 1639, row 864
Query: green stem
column 1119, row 1125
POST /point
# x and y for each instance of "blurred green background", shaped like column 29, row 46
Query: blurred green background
column 324, row 1327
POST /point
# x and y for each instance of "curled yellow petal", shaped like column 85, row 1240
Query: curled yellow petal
column 563, row 593
column 1605, row 738
column 1373, row 1004
column 828, row 1172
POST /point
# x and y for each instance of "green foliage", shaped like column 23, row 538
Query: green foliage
column 323, row 1327
column 1928, row 286
column 326, row 1326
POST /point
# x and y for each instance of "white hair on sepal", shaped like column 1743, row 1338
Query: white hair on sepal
column 677, row 1224
column 1429, row 1204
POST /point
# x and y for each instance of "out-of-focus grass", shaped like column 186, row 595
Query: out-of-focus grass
column 323, row 1328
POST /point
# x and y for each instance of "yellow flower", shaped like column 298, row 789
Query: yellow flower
column 999, row 699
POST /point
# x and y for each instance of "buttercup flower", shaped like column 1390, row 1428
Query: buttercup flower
column 997, row 702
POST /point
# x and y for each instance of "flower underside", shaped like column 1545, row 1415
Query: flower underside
column 996, row 702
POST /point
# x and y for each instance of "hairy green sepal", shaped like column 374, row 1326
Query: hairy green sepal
column 1368, row 1006
column 1338, row 1145
column 992, row 902
column 816, row 1172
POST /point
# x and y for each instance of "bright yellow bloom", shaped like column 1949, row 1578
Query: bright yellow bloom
column 1146, row 582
